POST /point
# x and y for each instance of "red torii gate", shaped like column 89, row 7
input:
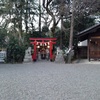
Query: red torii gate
column 49, row 41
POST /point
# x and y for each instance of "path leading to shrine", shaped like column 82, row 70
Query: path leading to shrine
column 49, row 81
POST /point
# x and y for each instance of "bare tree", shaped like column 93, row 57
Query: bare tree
column 47, row 5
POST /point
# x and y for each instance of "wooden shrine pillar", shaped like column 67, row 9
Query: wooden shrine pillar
column 34, row 56
column 50, row 50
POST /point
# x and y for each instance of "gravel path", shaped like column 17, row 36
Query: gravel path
column 49, row 81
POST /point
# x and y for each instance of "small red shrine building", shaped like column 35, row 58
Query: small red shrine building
column 41, row 45
column 92, row 35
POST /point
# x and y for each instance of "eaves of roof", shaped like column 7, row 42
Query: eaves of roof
column 85, row 33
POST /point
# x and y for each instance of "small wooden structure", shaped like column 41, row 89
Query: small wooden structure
column 92, row 35
column 41, row 45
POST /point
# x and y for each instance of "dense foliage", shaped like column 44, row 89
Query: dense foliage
column 3, row 38
column 15, row 51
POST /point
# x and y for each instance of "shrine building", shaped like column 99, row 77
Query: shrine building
column 91, row 38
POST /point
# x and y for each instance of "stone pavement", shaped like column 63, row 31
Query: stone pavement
column 49, row 81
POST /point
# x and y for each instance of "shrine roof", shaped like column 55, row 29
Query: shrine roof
column 83, row 35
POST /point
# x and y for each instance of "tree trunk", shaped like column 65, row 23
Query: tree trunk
column 26, row 17
column 39, row 16
column 61, row 32
column 71, row 33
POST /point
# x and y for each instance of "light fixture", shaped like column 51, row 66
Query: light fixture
column 48, row 46
column 48, row 43
column 38, row 46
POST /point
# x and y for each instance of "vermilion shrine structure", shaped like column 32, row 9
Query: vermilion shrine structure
column 41, row 45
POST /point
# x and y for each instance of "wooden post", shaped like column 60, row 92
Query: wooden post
column 50, row 50
column 88, row 49
column 35, row 52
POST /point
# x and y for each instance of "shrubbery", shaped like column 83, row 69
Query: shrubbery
column 15, row 51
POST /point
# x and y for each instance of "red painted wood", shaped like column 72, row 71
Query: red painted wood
column 42, row 40
column 35, row 51
column 51, row 51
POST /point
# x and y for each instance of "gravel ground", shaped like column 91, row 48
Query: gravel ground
column 49, row 81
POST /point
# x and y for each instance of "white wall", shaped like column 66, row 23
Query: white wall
column 83, row 43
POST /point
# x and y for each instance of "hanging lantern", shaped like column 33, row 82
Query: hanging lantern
column 48, row 43
column 38, row 46
column 48, row 46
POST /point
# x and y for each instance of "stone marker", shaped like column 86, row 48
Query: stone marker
column 28, row 56
column 59, row 57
